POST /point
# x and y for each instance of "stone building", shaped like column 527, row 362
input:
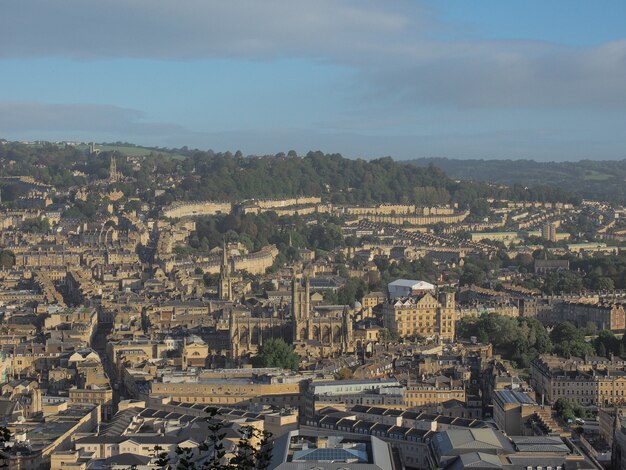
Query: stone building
column 317, row 334
column 423, row 315
column 588, row 382
column 313, row 334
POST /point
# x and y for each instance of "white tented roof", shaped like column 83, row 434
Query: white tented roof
column 412, row 284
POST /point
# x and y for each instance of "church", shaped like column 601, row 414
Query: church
column 315, row 333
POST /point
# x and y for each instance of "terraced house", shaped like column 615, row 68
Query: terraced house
column 590, row 381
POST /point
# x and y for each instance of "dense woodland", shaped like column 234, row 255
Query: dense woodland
column 207, row 175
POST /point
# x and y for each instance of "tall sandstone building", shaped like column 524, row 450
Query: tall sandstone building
column 424, row 314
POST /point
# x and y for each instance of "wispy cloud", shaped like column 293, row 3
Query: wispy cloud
column 35, row 117
column 190, row 29
column 388, row 43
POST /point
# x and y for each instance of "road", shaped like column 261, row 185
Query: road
column 99, row 343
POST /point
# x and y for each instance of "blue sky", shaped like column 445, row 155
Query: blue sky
column 367, row 78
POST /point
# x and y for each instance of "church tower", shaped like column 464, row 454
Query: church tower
column 113, row 174
column 225, row 288
column 300, row 308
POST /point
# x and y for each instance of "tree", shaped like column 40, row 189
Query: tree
column 624, row 340
column 526, row 260
column 277, row 353
column 569, row 341
column 518, row 339
column 558, row 282
column 330, row 297
column 7, row 259
column 344, row 374
column 590, row 328
column 472, row 275
column 211, row 279
column 388, row 335
column 36, row 225
column 251, row 455
column 607, row 342
column 5, row 436
column 252, row 452
column 354, row 289
column 604, row 284
column 564, row 409
column 161, row 457
column 133, row 206
column 479, row 209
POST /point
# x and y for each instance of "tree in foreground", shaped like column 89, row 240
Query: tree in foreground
column 252, row 451
column 5, row 436
column 277, row 353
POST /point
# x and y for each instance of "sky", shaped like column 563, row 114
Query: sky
column 535, row 79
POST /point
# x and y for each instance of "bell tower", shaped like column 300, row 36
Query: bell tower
column 113, row 174
column 300, row 308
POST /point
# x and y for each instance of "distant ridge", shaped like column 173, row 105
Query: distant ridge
column 604, row 180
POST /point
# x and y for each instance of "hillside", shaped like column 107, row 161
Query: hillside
column 207, row 175
column 602, row 180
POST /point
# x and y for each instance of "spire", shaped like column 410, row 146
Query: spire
column 225, row 266
column 344, row 329
column 249, row 334
column 225, row 288
column 330, row 333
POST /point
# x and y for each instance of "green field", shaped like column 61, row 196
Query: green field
column 593, row 175
column 131, row 151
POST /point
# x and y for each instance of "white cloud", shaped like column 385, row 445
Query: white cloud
column 387, row 42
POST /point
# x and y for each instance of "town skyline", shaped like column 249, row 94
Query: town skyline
column 330, row 234
column 339, row 305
